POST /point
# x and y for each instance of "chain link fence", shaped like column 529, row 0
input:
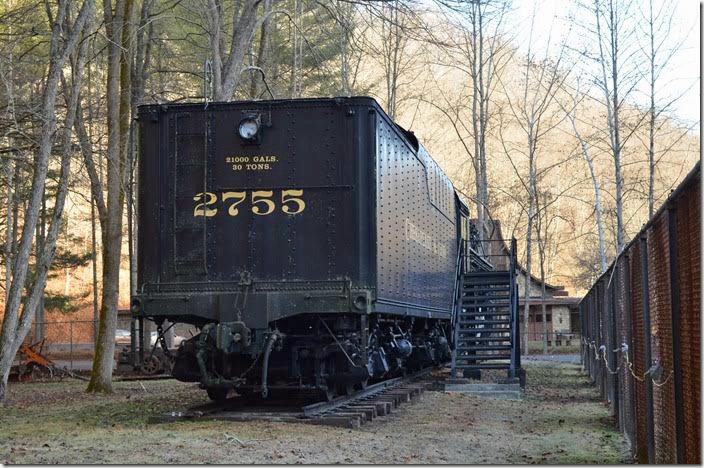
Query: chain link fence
column 69, row 343
column 641, row 333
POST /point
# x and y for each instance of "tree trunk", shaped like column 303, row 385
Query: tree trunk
column 612, row 109
column 597, row 190
column 94, row 261
column 651, row 133
column 9, row 231
column 118, row 114
column 529, row 233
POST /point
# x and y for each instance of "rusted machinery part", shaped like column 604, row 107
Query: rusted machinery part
column 151, row 365
column 34, row 356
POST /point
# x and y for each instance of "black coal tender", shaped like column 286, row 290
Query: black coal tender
column 313, row 242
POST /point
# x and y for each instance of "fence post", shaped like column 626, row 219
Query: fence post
column 647, row 348
column 600, row 333
column 629, row 381
column 676, row 329
column 611, row 345
column 70, row 334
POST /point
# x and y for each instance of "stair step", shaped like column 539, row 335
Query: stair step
column 484, row 296
column 469, row 288
column 488, row 274
column 485, row 348
column 482, row 314
column 484, row 331
column 479, row 306
column 484, row 322
column 488, row 301
column 485, row 338
column 483, row 357
column 483, row 366
column 485, row 282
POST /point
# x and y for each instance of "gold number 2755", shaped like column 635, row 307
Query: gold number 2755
column 262, row 203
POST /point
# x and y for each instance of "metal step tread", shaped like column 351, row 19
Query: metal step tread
column 484, row 331
column 475, row 305
column 485, row 282
column 476, row 300
column 484, row 274
column 485, row 322
column 483, row 314
column 483, row 357
column 501, row 288
column 484, row 339
column 485, row 348
column 483, row 366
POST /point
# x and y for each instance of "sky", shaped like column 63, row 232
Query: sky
column 680, row 77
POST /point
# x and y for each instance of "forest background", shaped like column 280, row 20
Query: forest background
column 562, row 120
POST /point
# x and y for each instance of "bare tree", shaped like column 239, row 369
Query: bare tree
column 572, row 116
column 394, row 43
column 480, row 52
column 659, row 50
column 117, row 17
column 534, row 111
column 227, row 64
column 65, row 37
column 611, row 52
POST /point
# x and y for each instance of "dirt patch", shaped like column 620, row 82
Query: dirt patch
column 559, row 421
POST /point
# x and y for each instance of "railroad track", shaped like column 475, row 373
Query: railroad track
column 375, row 401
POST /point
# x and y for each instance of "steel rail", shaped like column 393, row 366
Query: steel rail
column 317, row 409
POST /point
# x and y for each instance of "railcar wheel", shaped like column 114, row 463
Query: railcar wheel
column 151, row 365
column 363, row 384
column 218, row 395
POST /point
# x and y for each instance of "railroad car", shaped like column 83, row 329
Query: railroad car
column 313, row 243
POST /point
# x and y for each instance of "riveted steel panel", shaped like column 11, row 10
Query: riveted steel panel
column 331, row 192
column 416, row 232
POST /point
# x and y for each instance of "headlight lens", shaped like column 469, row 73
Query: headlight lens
column 248, row 129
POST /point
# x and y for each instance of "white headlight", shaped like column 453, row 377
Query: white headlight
column 248, row 129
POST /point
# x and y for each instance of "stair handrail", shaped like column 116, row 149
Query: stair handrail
column 515, row 326
column 458, row 274
column 455, row 301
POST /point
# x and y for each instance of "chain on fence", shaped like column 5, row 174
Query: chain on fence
column 641, row 333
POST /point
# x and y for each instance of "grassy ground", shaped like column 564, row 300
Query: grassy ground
column 558, row 421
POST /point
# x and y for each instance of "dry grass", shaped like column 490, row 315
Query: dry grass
column 559, row 421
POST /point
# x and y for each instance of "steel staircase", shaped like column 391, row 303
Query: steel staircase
column 486, row 317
